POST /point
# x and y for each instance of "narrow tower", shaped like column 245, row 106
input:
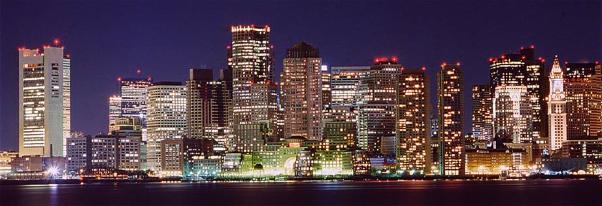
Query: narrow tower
column 557, row 107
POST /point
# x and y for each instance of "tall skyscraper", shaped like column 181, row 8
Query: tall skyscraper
column 44, row 101
column 376, row 105
column 134, row 100
column 557, row 107
column 198, row 106
column 482, row 114
column 583, row 88
column 254, row 93
column 522, row 69
column 413, row 122
column 301, row 95
column 166, row 118
column 450, row 106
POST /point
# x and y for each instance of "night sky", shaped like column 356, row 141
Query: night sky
column 108, row 39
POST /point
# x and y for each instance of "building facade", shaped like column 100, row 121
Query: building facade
column 44, row 101
column 583, row 88
column 557, row 107
column 450, row 106
column 482, row 114
column 166, row 118
column 250, row 58
column 301, row 94
column 413, row 122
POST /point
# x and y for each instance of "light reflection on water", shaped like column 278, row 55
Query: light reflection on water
column 408, row 192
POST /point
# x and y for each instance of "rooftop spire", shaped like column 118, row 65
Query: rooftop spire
column 556, row 65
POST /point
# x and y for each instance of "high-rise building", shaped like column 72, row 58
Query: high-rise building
column 134, row 99
column 413, row 122
column 44, row 101
column 253, row 92
column 344, row 87
column 482, row 114
column 301, row 94
column 377, row 103
column 523, row 69
column 198, row 102
column 557, row 107
column 166, row 118
column 220, row 125
column 450, row 106
column 583, row 88
column 512, row 115
column 114, row 111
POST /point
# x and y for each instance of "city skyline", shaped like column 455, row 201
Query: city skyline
column 86, row 94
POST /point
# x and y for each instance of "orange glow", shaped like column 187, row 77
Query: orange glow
column 56, row 41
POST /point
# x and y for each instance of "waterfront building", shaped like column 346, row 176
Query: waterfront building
column 301, row 94
column 450, row 106
column 557, row 107
column 6, row 157
column 523, row 69
column 172, row 158
column 166, row 118
column 583, row 89
column 495, row 161
column 254, row 94
column 377, row 103
column 44, row 101
column 413, row 123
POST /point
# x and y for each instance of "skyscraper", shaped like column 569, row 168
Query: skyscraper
column 326, row 91
column 198, row 107
column 377, row 102
column 450, row 106
column 583, row 87
column 254, row 93
column 302, row 92
column 166, row 118
column 482, row 114
column 134, row 99
column 513, row 115
column 557, row 107
column 44, row 101
column 523, row 69
column 413, row 122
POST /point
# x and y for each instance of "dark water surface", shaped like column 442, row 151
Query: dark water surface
column 533, row 192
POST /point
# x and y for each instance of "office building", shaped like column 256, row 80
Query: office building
column 377, row 103
column 254, row 94
column 512, row 115
column 344, row 85
column 166, row 118
column 583, row 89
column 450, row 107
column 301, row 95
column 413, row 123
column 44, row 101
column 482, row 114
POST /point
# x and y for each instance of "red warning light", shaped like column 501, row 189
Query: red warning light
column 56, row 41
column 119, row 78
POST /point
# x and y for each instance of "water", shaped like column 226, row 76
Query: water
column 533, row 192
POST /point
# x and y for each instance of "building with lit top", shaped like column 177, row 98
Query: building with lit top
column 250, row 58
column 495, row 161
column 326, row 91
column 523, row 69
column 377, row 103
column 44, row 101
column 413, row 122
column 482, row 114
column 114, row 111
column 557, row 107
column 583, row 89
column 166, row 118
column 301, row 94
column 450, row 107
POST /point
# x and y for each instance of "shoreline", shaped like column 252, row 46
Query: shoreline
column 271, row 180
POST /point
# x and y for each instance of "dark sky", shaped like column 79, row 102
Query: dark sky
column 107, row 39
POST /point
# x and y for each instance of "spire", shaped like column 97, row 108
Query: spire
column 556, row 65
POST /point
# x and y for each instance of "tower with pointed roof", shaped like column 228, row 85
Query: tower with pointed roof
column 557, row 107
